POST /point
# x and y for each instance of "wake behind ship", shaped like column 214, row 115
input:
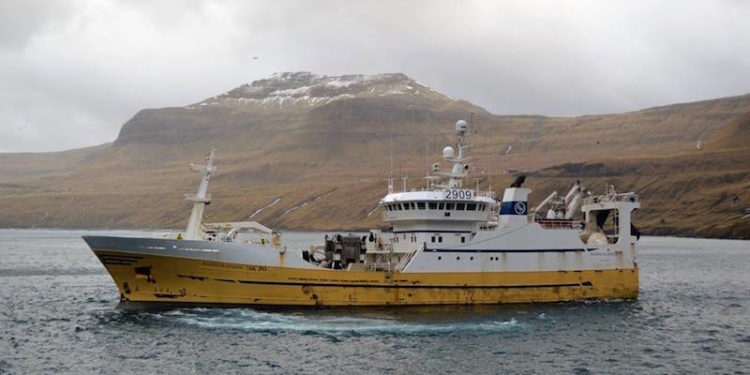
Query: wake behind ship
column 449, row 245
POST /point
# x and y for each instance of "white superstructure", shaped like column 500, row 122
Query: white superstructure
column 446, row 227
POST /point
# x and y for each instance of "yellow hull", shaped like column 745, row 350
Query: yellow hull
column 158, row 279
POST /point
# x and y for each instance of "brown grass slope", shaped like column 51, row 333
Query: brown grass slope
column 325, row 165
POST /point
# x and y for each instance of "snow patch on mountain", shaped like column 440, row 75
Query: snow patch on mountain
column 307, row 89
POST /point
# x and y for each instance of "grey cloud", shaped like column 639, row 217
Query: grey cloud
column 73, row 72
column 21, row 20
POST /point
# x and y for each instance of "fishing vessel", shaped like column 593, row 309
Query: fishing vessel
column 449, row 244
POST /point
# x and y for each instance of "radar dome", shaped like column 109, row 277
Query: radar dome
column 448, row 152
column 461, row 126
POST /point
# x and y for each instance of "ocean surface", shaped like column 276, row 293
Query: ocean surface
column 58, row 315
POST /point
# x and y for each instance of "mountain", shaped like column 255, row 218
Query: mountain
column 293, row 102
column 305, row 151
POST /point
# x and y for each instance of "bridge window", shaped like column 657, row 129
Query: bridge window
column 413, row 206
column 420, row 205
column 471, row 207
column 460, row 206
column 406, row 206
column 432, row 205
column 441, row 206
column 449, row 206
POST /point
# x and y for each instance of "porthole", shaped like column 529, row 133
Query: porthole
column 458, row 258
column 439, row 258
column 472, row 258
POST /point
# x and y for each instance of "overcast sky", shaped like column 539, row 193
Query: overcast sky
column 72, row 72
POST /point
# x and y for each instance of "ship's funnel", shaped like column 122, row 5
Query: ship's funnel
column 515, row 206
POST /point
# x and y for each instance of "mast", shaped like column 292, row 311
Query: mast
column 460, row 168
column 390, row 178
column 201, row 199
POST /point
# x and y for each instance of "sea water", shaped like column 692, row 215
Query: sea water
column 58, row 315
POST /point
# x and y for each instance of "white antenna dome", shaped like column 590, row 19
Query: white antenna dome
column 461, row 126
column 448, row 153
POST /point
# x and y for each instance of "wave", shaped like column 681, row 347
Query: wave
column 259, row 321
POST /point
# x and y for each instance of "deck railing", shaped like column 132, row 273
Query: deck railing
column 624, row 197
column 486, row 194
column 558, row 223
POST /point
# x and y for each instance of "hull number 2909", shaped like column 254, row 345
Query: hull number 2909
column 458, row 194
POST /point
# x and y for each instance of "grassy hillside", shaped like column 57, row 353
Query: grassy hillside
column 303, row 152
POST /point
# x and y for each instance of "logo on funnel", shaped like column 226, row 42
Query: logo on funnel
column 520, row 208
